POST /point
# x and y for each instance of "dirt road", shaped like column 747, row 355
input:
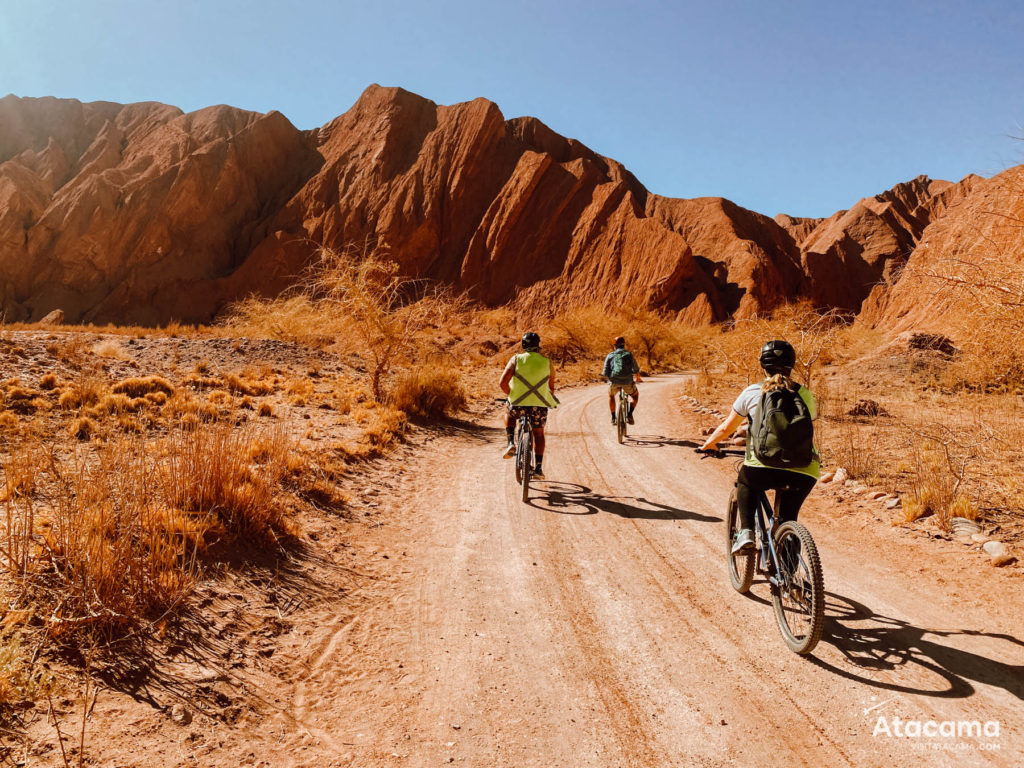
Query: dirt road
column 596, row 626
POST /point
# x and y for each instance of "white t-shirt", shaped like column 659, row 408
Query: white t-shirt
column 747, row 404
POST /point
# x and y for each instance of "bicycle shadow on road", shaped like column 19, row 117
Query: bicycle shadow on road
column 874, row 643
column 659, row 441
column 575, row 499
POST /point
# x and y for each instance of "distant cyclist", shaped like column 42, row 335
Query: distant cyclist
column 529, row 383
column 777, row 359
column 620, row 368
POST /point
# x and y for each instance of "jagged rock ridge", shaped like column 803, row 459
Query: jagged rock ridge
column 140, row 213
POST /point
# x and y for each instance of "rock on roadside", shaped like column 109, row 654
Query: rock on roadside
column 998, row 552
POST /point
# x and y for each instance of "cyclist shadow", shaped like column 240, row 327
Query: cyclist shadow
column 874, row 643
column 574, row 499
column 660, row 441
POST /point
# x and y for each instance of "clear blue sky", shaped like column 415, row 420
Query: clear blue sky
column 801, row 107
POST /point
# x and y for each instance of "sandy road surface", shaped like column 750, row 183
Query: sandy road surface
column 596, row 626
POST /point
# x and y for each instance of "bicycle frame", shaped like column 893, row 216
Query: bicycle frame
column 764, row 533
column 768, row 555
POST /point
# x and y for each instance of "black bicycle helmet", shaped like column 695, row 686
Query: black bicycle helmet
column 620, row 342
column 778, row 356
column 531, row 341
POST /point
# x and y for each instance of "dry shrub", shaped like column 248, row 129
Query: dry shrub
column 266, row 410
column 8, row 421
column 109, row 348
column 19, row 680
column 219, row 397
column 103, row 538
column 944, row 457
column 300, row 391
column 48, row 382
column 429, row 391
column 816, row 336
column 208, row 472
column 142, row 386
column 85, row 389
column 355, row 298
column 83, row 428
column 383, row 426
column 90, row 546
column 156, row 398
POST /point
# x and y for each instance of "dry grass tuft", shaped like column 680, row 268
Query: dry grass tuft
column 142, row 386
column 429, row 391
column 103, row 539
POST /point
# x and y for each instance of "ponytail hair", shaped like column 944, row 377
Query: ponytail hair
column 779, row 381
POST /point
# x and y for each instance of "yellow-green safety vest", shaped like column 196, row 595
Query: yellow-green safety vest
column 530, row 381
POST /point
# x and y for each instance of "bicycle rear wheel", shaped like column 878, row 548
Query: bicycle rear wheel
column 799, row 598
column 525, row 462
column 620, row 419
column 741, row 566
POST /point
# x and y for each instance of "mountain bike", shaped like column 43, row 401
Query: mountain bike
column 622, row 415
column 786, row 555
column 524, row 454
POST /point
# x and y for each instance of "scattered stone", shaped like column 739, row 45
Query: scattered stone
column 707, row 431
column 841, row 476
column 180, row 714
column 877, row 495
column 53, row 318
column 827, row 477
column 892, row 503
column 867, row 408
column 979, row 538
column 998, row 552
column 738, row 441
column 964, row 527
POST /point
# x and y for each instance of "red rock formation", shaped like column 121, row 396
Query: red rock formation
column 846, row 255
column 979, row 236
column 130, row 213
column 139, row 213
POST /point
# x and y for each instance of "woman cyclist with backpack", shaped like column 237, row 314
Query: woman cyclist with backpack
column 780, row 451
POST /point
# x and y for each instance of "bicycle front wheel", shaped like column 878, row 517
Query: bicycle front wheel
column 741, row 566
column 799, row 597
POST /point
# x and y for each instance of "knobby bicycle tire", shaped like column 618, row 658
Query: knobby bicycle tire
column 741, row 567
column 809, row 593
column 620, row 419
column 526, row 468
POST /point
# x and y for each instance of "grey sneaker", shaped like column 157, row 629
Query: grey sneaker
column 510, row 451
column 744, row 541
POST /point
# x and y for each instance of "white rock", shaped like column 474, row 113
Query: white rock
column 827, row 477
column 892, row 503
column 840, row 476
column 876, row 495
column 980, row 538
column 995, row 549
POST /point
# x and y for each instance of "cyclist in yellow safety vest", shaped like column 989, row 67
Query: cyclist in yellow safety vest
column 529, row 383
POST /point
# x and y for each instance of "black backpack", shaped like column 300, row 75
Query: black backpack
column 782, row 433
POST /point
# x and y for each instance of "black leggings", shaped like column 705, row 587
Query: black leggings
column 750, row 480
